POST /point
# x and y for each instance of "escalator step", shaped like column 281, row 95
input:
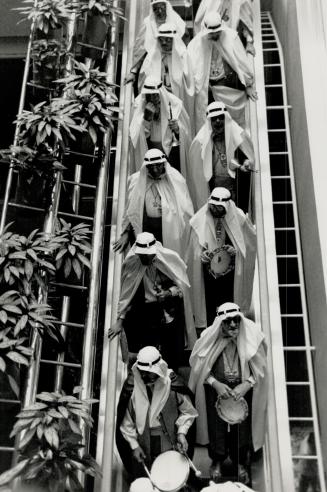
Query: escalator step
column 277, row 141
column 293, row 331
column 290, row 300
column 296, row 366
column 283, row 215
column 288, row 270
column 279, row 165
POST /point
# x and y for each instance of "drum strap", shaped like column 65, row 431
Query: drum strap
column 165, row 430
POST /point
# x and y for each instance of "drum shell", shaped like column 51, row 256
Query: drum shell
column 170, row 471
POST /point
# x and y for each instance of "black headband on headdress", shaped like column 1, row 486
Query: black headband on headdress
column 155, row 159
column 216, row 109
column 149, row 364
column 234, row 310
column 219, row 199
column 212, row 27
column 153, row 87
column 167, row 32
column 146, row 245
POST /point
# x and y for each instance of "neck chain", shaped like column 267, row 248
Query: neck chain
column 231, row 372
column 220, row 150
column 156, row 197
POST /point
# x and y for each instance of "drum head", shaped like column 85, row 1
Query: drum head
column 222, row 261
column 232, row 411
column 169, row 471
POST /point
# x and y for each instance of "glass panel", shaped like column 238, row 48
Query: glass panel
column 299, row 402
column 306, row 476
column 293, row 331
column 288, row 272
column 296, row 366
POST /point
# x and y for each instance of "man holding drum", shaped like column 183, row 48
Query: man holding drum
column 228, row 376
column 155, row 412
column 221, row 256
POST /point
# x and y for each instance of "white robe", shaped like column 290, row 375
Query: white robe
column 137, row 135
column 233, row 52
column 180, row 72
column 176, row 204
column 170, row 264
column 237, row 10
column 148, row 32
column 242, row 234
column 252, row 353
column 201, row 168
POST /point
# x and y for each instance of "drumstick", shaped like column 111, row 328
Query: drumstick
column 192, row 465
column 149, row 476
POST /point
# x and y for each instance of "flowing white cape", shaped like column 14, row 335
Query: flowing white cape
column 237, row 10
column 243, row 237
column 160, row 395
column 170, row 264
column 233, row 52
column 177, row 208
column 180, row 72
column 137, row 136
column 200, row 171
column 252, row 352
column 148, row 32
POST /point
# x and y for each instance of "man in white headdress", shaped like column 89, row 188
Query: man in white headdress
column 228, row 362
column 158, row 201
column 160, row 121
column 221, row 70
column 221, row 487
column 155, row 306
column 221, row 256
column 155, row 412
column 168, row 60
column 214, row 157
column 161, row 12
column 238, row 15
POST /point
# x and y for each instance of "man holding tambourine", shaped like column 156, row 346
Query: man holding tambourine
column 228, row 377
column 221, row 256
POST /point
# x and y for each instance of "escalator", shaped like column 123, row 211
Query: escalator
column 279, row 301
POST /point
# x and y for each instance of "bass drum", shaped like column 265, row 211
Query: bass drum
column 170, row 471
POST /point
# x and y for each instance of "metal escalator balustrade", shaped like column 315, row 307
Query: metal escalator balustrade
column 86, row 200
column 302, row 407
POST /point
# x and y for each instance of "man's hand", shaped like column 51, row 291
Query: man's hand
column 205, row 255
column 130, row 78
column 122, row 243
column 182, row 444
column 149, row 111
column 251, row 93
column 138, row 455
column 250, row 48
column 222, row 389
column 163, row 294
column 241, row 390
column 173, row 125
column 115, row 329
column 246, row 166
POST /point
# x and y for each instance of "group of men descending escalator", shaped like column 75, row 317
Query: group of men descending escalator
column 187, row 279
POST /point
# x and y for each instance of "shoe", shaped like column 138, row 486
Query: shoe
column 215, row 472
column 243, row 475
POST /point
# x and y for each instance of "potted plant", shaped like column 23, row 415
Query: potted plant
column 49, row 125
column 24, row 261
column 90, row 92
column 12, row 348
column 99, row 20
column 72, row 251
column 51, row 449
column 48, row 61
column 36, row 169
column 49, row 15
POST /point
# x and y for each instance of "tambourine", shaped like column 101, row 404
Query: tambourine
column 232, row 411
column 222, row 261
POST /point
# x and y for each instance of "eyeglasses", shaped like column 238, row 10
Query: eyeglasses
column 236, row 319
